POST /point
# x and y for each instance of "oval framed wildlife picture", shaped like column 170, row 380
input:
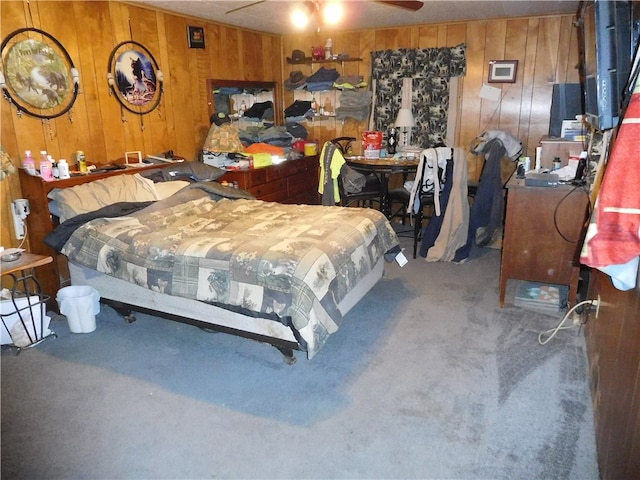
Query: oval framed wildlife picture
column 134, row 77
column 39, row 76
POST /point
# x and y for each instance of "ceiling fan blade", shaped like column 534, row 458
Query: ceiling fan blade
column 409, row 5
column 244, row 6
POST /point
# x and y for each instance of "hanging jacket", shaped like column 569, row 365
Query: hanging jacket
column 331, row 161
column 486, row 212
column 454, row 221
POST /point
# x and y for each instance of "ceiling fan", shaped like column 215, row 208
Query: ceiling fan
column 412, row 5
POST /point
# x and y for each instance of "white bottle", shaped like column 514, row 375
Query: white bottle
column 63, row 169
column 327, row 49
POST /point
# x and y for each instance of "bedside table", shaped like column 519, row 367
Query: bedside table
column 28, row 301
column 543, row 235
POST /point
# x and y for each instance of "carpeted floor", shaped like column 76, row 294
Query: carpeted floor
column 426, row 378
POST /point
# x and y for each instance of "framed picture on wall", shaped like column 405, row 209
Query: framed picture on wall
column 38, row 76
column 195, row 36
column 503, row 71
column 134, row 77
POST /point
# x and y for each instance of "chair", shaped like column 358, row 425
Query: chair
column 371, row 192
column 343, row 144
column 426, row 201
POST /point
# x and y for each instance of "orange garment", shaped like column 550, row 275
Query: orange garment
column 264, row 148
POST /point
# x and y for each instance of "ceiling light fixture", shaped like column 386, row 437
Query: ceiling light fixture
column 325, row 13
column 332, row 13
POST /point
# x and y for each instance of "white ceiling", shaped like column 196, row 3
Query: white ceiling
column 273, row 15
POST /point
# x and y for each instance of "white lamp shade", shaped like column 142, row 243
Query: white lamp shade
column 405, row 118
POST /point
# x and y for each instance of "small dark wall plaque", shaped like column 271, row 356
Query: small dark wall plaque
column 195, row 36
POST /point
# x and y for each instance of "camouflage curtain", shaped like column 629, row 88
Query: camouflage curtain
column 430, row 70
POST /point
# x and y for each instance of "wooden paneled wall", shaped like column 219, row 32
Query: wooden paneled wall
column 613, row 346
column 545, row 47
column 89, row 30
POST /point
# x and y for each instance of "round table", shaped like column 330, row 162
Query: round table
column 383, row 167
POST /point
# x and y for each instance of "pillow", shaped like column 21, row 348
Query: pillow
column 190, row 171
column 89, row 197
column 166, row 189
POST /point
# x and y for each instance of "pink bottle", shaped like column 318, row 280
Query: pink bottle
column 46, row 168
column 29, row 163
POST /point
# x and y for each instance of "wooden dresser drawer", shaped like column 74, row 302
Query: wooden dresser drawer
column 261, row 191
column 245, row 178
column 294, row 181
column 302, row 184
column 279, row 196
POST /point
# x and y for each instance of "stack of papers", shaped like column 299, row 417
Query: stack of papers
column 541, row 296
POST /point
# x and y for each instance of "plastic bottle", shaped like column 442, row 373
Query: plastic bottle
column 54, row 167
column 29, row 163
column 328, row 49
column 82, row 161
column 556, row 163
column 63, row 169
column 46, row 170
column 43, row 156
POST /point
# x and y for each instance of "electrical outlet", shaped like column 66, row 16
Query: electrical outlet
column 19, row 211
column 18, row 226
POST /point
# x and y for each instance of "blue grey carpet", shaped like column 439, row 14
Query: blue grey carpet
column 426, row 378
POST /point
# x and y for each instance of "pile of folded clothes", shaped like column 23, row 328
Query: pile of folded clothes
column 298, row 111
column 297, row 130
column 323, row 79
column 354, row 104
column 349, row 82
column 274, row 135
column 260, row 111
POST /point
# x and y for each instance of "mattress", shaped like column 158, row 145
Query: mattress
column 294, row 263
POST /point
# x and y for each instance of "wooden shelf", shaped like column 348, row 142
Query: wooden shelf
column 318, row 118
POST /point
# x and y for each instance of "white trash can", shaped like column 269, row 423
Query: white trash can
column 80, row 304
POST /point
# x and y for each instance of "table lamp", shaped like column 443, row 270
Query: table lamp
column 404, row 121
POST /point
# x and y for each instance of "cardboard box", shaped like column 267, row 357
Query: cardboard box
column 558, row 147
column 220, row 160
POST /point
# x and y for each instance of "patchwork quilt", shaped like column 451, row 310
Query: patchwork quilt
column 293, row 262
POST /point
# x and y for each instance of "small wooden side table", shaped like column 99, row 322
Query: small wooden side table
column 543, row 234
column 26, row 296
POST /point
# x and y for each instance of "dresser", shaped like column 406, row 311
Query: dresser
column 543, row 235
column 293, row 181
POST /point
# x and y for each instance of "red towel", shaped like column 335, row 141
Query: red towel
column 617, row 218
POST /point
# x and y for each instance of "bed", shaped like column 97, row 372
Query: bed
column 216, row 257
